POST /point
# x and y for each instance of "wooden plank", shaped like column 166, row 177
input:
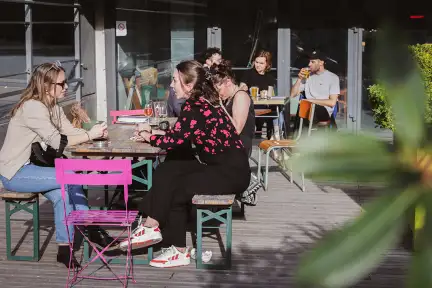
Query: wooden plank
column 213, row 200
column 6, row 194
column 270, row 102
column 267, row 243
column 119, row 144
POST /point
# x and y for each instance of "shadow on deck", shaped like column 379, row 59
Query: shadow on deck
column 267, row 243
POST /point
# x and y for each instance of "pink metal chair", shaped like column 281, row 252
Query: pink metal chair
column 115, row 114
column 121, row 174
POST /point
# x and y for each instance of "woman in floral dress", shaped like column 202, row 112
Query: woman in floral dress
column 222, row 167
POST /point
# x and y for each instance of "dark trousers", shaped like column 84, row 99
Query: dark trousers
column 321, row 114
column 176, row 181
column 259, row 121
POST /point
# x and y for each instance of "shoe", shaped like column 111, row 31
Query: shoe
column 171, row 257
column 250, row 197
column 63, row 257
column 100, row 237
column 142, row 237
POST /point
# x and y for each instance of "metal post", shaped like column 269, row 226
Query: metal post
column 28, row 40
column 77, row 43
column 351, row 117
column 359, row 77
column 284, row 62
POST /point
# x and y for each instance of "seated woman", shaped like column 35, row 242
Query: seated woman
column 260, row 76
column 222, row 167
column 239, row 106
column 237, row 102
column 38, row 118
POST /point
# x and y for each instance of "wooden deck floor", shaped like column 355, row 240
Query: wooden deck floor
column 267, row 244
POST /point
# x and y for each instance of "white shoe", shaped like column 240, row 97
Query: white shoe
column 171, row 257
column 143, row 237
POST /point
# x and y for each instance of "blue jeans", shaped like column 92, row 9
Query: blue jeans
column 36, row 179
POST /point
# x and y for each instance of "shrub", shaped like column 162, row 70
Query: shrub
column 383, row 115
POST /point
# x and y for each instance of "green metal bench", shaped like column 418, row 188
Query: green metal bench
column 15, row 202
column 214, row 207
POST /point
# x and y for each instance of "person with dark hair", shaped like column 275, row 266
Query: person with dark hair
column 239, row 106
column 237, row 102
column 174, row 104
column 212, row 56
column 222, row 167
column 260, row 77
column 320, row 87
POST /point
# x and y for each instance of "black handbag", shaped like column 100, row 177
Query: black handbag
column 46, row 158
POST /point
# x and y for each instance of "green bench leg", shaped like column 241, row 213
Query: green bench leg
column 13, row 207
column 204, row 215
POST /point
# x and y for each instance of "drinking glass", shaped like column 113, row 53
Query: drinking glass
column 163, row 112
column 254, row 92
column 148, row 110
column 306, row 72
column 160, row 110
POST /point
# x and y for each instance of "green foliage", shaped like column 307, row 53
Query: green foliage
column 343, row 257
column 383, row 114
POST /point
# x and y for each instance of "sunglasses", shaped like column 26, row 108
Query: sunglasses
column 61, row 84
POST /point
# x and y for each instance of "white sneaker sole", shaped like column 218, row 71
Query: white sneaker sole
column 171, row 265
column 141, row 244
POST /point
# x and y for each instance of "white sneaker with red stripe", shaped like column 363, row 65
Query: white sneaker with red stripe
column 171, row 257
column 143, row 237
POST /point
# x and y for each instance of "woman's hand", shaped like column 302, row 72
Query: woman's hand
column 144, row 135
column 98, row 131
column 143, row 127
column 158, row 132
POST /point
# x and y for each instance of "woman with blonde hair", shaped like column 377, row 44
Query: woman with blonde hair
column 38, row 118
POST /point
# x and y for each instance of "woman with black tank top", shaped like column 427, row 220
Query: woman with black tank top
column 239, row 106
column 237, row 103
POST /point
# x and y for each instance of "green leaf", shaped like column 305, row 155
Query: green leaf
column 405, row 89
column 341, row 156
column 343, row 257
column 421, row 264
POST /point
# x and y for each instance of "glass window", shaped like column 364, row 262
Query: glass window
column 53, row 13
column 159, row 34
column 12, row 11
column 255, row 29
column 12, row 54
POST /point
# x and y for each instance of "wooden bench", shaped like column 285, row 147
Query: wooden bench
column 27, row 202
column 214, row 207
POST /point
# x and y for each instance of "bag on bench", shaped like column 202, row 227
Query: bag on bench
column 46, row 158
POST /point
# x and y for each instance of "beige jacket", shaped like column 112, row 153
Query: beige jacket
column 32, row 124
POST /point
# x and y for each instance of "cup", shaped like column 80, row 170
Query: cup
column 270, row 92
column 263, row 94
column 88, row 126
column 306, row 72
column 148, row 110
column 254, row 92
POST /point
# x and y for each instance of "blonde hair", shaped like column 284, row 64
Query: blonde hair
column 40, row 82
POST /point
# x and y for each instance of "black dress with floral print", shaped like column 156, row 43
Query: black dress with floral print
column 223, row 167
column 206, row 126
